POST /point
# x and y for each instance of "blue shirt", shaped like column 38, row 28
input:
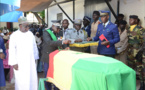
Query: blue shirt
column 110, row 31
column 2, row 77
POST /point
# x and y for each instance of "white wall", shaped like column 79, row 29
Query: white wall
column 15, row 25
column 144, row 15
column 79, row 10
column 113, row 3
column 31, row 18
column 97, row 5
column 46, row 16
column 3, row 24
column 103, row 6
column 133, row 7
column 68, row 8
column 127, row 7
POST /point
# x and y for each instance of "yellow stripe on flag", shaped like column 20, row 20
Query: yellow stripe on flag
column 63, row 62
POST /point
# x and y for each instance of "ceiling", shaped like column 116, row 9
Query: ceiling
column 34, row 5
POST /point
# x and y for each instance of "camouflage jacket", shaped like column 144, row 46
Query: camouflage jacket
column 143, row 48
column 135, row 38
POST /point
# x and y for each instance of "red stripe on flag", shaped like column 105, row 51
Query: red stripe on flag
column 51, row 65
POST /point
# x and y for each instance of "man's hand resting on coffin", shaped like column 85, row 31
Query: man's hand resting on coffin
column 89, row 39
column 66, row 42
column 78, row 40
column 105, row 43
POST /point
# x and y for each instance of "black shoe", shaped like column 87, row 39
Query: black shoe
column 142, row 86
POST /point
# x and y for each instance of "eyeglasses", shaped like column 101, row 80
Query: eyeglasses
column 27, row 26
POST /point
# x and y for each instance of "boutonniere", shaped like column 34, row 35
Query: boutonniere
column 74, row 31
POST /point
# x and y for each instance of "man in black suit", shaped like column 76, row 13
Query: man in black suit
column 50, row 44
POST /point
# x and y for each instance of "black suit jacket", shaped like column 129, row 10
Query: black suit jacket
column 48, row 46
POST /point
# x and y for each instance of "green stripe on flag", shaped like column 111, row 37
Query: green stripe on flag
column 102, row 73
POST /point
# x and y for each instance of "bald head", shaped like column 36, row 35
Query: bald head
column 65, row 23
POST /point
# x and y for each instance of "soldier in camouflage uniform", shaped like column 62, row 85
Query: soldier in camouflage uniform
column 135, row 55
column 142, row 69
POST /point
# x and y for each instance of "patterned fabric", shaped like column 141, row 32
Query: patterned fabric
column 5, row 61
column 135, row 57
column 143, row 59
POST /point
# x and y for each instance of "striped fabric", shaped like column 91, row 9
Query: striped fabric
column 71, row 70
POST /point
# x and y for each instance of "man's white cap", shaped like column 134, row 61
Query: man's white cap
column 56, row 23
column 22, row 20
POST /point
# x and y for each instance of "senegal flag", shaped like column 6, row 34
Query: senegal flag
column 71, row 70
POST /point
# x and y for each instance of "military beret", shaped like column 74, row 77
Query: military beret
column 123, row 22
column 133, row 16
column 120, row 15
column 87, row 18
column 97, row 13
